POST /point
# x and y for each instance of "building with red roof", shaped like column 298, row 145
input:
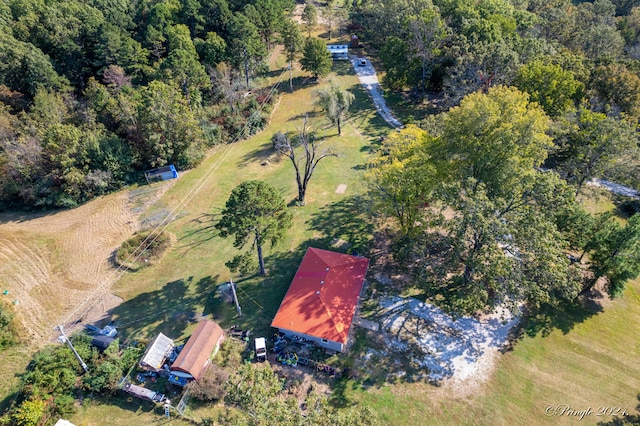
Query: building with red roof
column 322, row 299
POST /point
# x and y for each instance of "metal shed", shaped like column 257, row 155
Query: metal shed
column 161, row 173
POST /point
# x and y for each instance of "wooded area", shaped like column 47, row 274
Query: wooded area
column 93, row 93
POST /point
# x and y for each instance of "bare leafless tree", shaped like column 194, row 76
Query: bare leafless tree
column 304, row 152
column 224, row 81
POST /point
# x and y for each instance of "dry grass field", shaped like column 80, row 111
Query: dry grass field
column 51, row 262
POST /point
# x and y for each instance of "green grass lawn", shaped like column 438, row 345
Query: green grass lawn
column 577, row 359
column 186, row 278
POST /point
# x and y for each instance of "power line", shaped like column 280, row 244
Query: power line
column 101, row 290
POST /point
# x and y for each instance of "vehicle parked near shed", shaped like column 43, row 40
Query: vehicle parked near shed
column 261, row 349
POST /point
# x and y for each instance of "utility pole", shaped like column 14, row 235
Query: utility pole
column 64, row 338
column 235, row 297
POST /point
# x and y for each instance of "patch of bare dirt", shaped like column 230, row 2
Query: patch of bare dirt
column 51, row 264
column 300, row 381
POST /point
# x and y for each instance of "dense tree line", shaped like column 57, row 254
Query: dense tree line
column 483, row 224
column 94, row 92
column 485, row 159
column 579, row 60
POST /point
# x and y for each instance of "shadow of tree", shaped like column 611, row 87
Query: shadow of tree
column 364, row 115
column 134, row 405
column 299, row 82
column 342, row 68
column 264, row 152
column 628, row 419
column 203, row 231
column 563, row 317
column 625, row 206
column 315, row 113
column 167, row 310
column 347, row 220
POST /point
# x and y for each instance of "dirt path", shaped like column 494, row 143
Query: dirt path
column 616, row 188
column 51, row 263
column 369, row 79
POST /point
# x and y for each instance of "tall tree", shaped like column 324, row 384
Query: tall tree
column 616, row 253
column 212, row 49
column 426, row 33
column 310, row 18
column 333, row 17
column 255, row 211
column 494, row 138
column 591, row 144
column 293, row 44
column 401, row 178
column 316, row 58
column 168, row 131
column 183, row 65
column 304, row 163
column 501, row 240
column 246, row 49
column 267, row 16
column 335, row 102
column 616, row 88
column 554, row 88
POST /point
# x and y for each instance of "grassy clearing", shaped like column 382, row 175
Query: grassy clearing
column 159, row 298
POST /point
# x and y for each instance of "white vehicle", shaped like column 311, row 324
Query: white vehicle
column 261, row 349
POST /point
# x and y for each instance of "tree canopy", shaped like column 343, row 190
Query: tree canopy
column 255, row 212
column 335, row 101
column 316, row 58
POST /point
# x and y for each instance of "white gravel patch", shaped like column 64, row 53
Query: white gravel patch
column 461, row 351
column 616, row 188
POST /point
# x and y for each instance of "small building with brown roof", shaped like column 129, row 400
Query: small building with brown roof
column 194, row 358
column 322, row 299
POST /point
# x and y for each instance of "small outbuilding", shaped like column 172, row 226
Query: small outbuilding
column 161, row 173
column 339, row 52
column 197, row 352
column 156, row 353
column 321, row 302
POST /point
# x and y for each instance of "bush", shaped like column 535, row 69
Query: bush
column 211, row 386
column 8, row 326
column 143, row 249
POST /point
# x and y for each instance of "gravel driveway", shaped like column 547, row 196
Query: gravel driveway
column 369, row 79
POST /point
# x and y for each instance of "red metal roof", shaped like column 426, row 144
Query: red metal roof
column 323, row 295
column 195, row 354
